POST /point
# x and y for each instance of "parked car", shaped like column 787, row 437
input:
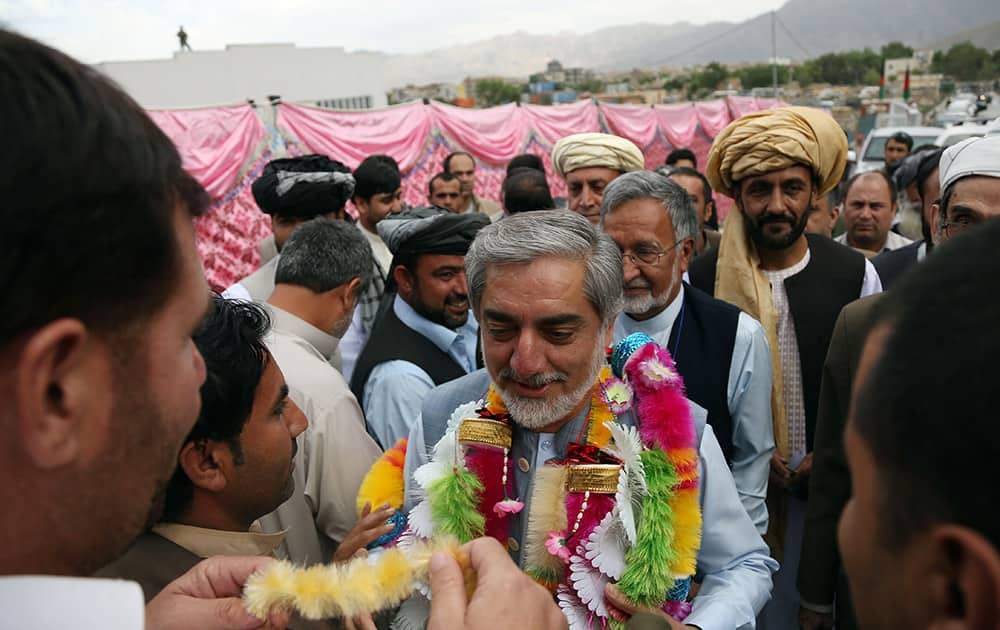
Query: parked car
column 957, row 133
column 872, row 155
column 993, row 129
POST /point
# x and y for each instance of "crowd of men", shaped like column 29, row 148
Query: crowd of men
column 840, row 389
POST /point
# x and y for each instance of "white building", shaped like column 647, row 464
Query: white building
column 326, row 77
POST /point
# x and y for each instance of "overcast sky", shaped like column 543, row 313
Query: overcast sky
column 107, row 30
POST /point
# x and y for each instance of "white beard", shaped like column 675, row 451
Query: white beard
column 642, row 304
column 536, row 413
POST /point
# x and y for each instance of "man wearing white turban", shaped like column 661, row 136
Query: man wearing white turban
column 588, row 162
column 775, row 164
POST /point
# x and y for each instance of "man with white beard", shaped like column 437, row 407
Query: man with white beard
column 720, row 351
column 546, row 287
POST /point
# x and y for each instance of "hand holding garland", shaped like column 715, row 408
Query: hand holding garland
column 619, row 601
column 504, row 595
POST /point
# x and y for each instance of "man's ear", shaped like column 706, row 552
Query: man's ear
column 609, row 334
column 404, row 280
column 936, row 222
column 685, row 251
column 63, row 393
column 201, row 461
column 965, row 592
column 351, row 293
column 709, row 211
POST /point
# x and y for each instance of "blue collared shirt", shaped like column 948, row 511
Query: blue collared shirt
column 748, row 393
column 395, row 389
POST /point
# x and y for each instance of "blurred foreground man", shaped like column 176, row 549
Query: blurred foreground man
column 103, row 290
column 919, row 537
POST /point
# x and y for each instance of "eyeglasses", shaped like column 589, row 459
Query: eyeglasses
column 958, row 225
column 649, row 257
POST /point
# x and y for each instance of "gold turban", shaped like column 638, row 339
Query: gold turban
column 586, row 150
column 774, row 139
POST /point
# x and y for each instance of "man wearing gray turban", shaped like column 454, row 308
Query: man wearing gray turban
column 588, row 162
column 292, row 191
column 425, row 335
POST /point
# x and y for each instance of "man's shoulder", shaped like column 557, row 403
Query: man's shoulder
column 441, row 401
column 822, row 248
column 707, row 303
column 702, row 270
column 304, row 367
column 260, row 283
column 859, row 313
column 890, row 265
column 152, row 561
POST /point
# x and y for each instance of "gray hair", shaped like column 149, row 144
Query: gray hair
column 323, row 254
column 652, row 185
column 521, row 239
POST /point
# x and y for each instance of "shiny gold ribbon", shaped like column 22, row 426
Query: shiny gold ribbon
column 483, row 431
column 600, row 478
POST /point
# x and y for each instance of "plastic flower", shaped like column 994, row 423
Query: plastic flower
column 507, row 506
column 653, row 371
column 556, row 545
column 617, row 395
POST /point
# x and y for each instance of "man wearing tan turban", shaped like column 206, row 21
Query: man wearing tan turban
column 588, row 162
column 776, row 164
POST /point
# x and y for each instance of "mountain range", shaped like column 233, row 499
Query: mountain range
column 805, row 29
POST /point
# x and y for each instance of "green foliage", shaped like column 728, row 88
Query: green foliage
column 847, row 68
column 896, row 50
column 759, row 75
column 967, row 62
column 710, row 76
column 594, row 86
column 496, row 92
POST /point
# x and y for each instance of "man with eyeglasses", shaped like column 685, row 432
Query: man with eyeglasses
column 720, row 351
column 969, row 175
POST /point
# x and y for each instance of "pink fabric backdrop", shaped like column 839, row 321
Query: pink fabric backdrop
column 225, row 148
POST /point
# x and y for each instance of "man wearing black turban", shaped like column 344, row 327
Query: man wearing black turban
column 425, row 335
column 292, row 191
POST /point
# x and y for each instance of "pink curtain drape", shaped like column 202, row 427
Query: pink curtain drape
column 225, row 148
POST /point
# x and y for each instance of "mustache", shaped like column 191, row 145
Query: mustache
column 776, row 218
column 533, row 380
column 638, row 283
column 295, row 447
column 456, row 299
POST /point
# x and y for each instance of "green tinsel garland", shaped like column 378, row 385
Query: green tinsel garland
column 647, row 577
column 455, row 505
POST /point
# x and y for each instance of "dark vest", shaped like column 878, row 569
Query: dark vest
column 392, row 340
column 893, row 265
column 701, row 344
column 832, row 279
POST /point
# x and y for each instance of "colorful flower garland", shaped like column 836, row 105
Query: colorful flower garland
column 623, row 507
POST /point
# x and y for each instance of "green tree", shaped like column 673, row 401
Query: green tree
column 964, row 62
column 711, row 76
column 896, row 50
column 496, row 92
column 759, row 75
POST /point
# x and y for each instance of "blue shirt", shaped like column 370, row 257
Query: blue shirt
column 748, row 393
column 734, row 564
column 395, row 389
